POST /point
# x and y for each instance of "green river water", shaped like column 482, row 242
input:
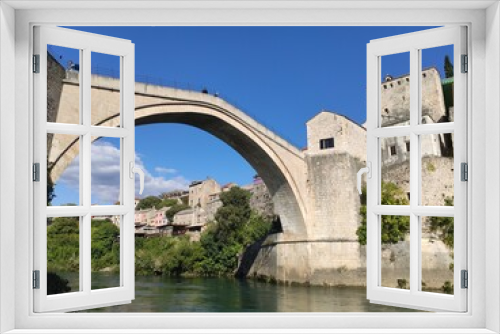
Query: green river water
column 167, row 294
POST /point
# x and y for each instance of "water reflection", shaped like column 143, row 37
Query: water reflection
column 165, row 294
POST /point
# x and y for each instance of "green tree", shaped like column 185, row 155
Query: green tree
column 169, row 256
column 183, row 257
column 233, row 214
column 105, row 249
column 448, row 67
column 148, row 202
column 444, row 225
column 255, row 229
column 152, row 254
column 236, row 226
column 394, row 228
column 167, row 202
column 154, row 201
column 63, row 244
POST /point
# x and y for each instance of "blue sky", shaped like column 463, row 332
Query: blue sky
column 281, row 76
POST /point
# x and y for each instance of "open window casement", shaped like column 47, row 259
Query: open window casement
column 75, row 129
column 423, row 139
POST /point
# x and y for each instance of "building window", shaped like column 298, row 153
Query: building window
column 407, row 146
column 326, row 143
column 392, row 150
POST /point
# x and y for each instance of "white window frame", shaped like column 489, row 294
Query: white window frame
column 86, row 44
column 482, row 316
column 413, row 43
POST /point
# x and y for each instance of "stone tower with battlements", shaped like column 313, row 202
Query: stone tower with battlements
column 336, row 150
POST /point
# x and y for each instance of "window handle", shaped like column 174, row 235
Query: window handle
column 136, row 170
column 368, row 171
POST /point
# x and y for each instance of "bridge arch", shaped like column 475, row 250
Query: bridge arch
column 280, row 164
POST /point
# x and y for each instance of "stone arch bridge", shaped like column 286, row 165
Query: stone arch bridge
column 281, row 165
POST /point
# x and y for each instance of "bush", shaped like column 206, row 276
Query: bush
column 105, row 248
column 448, row 287
column 148, row 202
column 236, row 226
column 217, row 253
column 56, row 284
column 170, row 256
column 154, row 201
column 63, row 244
column 444, row 225
column 394, row 228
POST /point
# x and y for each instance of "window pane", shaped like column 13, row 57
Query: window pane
column 326, row 143
column 437, row 254
column 437, row 84
column 106, row 171
column 63, row 87
column 395, row 171
column 437, row 169
column 105, row 93
column 63, row 255
column 395, row 252
column 105, row 251
column 395, row 90
column 63, row 169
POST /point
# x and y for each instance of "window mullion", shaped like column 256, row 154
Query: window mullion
column 85, row 93
column 414, row 170
column 81, row 221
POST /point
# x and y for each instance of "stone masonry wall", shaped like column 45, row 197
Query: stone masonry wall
column 261, row 200
column 344, row 132
column 333, row 198
column 335, row 255
column 437, row 178
column 55, row 76
column 395, row 95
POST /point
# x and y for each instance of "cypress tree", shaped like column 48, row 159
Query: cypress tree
column 448, row 67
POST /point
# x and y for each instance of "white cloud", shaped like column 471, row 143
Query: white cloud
column 106, row 176
column 163, row 170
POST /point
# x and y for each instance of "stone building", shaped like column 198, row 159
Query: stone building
column 200, row 199
column 336, row 150
column 213, row 204
column 199, row 192
column 260, row 200
column 436, row 149
column 191, row 221
column 332, row 169
column 395, row 98
column 184, row 217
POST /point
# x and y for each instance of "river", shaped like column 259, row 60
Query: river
column 167, row 294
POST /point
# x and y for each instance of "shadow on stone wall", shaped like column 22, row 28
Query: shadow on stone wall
column 248, row 257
